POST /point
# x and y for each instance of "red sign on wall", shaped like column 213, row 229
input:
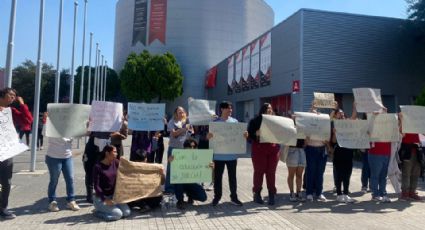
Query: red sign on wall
column 158, row 21
column 296, row 86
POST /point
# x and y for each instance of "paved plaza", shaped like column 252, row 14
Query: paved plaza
column 28, row 201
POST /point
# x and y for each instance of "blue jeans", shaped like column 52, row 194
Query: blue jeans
column 365, row 170
column 168, row 187
column 194, row 191
column 110, row 213
column 316, row 164
column 378, row 174
column 55, row 166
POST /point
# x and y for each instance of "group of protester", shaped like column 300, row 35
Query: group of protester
column 104, row 149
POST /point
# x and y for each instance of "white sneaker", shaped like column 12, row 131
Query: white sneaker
column 340, row 199
column 73, row 206
column 53, row 206
column 309, row 197
column 348, row 199
column 385, row 199
column 376, row 198
column 321, row 198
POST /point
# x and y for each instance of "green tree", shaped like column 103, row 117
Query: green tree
column 416, row 12
column 112, row 84
column 146, row 77
column 24, row 82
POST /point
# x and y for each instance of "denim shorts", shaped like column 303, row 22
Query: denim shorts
column 296, row 157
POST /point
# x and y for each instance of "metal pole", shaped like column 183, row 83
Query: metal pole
column 71, row 91
column 104, row 80
column 98, row 78
column 101, row 81
column 95, row 71
column 10, row 45
column 89, row 77
column 37, row 90
column 82, row 58
column 57, row 77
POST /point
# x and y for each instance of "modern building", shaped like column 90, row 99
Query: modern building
column 200, row 33
column 319, row 51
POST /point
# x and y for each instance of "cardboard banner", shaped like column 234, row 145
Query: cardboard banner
column 266, row 59
column 105, row 116
column 67, row 120
column 137, row 180
column 413, row 118
column 201, row 111
column 140, row 21
column 316, row 126
column 384, row 127
column 352, row 134
column 228, row 137
column 230, row 74
column 191, row 166
column 146, row 117
column 158, row 21
column 367, row 100
column 324, row 100
column 254, row 77
column 276, row 129
column 9, row 140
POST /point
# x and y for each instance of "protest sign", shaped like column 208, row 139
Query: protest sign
column 384, row 127
column 367, row 100
column 105, row 116
column 67, row 120
column 276, row 129
column 137, row 180
column 191, row 166
column 352, row 134
column 324, row 100
column 201, row 111
column 228, row 137
column 146, row 117
column 413, row 119
column 316, row 126
column 9, row 141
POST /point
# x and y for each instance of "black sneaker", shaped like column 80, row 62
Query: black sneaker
column 237, row 202
column 190, row 200
column 180, row 205
column 215, row 202
column 7, row 215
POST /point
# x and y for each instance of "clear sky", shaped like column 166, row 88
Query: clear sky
column 101, row 19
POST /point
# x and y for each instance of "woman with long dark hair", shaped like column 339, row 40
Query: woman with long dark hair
column 265, row 157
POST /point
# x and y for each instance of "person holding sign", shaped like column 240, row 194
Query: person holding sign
column 180, row 130
column 104, row 178
column 59, row 159
column 118, row 137
column 265, row 157
column 193, row 191
column 411, row 155
column 7, row 97
column 222, row 160
column 342, row 161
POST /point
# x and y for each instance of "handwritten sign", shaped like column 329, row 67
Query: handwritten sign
column 384, row 127
column 228, row 137
column 413, row 119
column 146, row 117
column 67, row 120
column 352, row 134
column 324, row 100
column 105, row 116
column 201, row 111
column 191, row 166
column 276, row 129
column 9, row 141
column 367, row 100
column 316, row 126
column 137, row 180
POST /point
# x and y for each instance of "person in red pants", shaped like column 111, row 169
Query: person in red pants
column 265, row 157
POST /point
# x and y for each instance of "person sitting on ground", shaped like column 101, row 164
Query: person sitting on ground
column 104, row 178
column 194, row 191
